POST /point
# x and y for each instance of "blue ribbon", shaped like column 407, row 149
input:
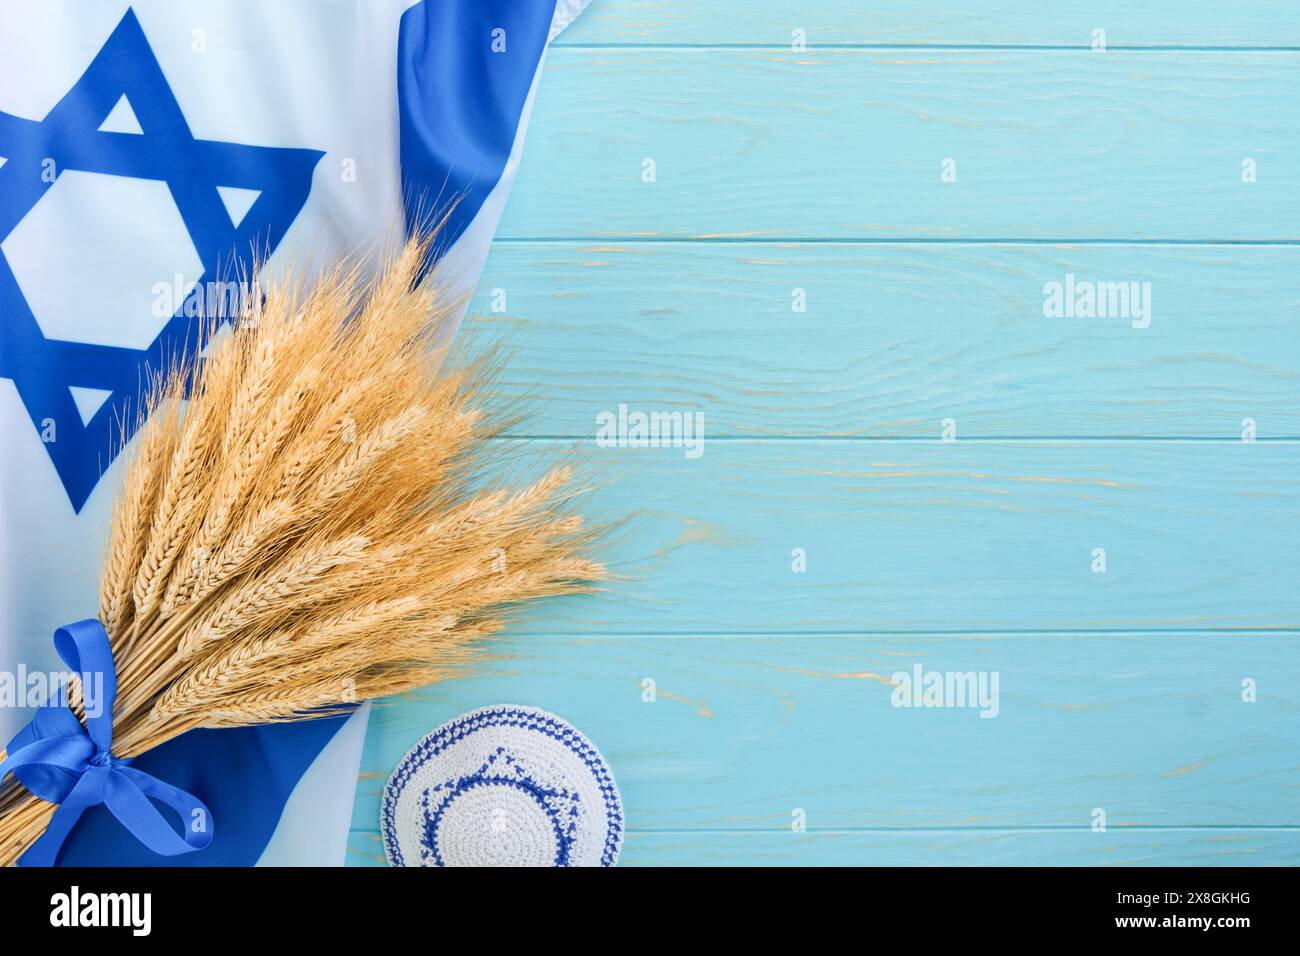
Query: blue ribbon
column 63, row 762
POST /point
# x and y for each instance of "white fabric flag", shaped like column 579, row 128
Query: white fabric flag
column 146, row 150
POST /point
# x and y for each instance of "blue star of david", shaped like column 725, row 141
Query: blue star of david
column 165, row 150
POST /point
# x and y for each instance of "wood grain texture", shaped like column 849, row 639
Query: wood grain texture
column 896, row 338
column 1078, row 847
column 820, row 170
column 830, row 22
column 741, row 732
column 949, row 537
column 1210, row 847
column 849, row 144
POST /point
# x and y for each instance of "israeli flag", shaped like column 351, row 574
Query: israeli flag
column 147, row 151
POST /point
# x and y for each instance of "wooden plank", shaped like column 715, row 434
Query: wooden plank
column 743, row 732
column 850, row 144
column 1119, row 690
column 1207, row 847
column 941, row 536
column 1201, row 847
column 1164, row 22
column 897, row 338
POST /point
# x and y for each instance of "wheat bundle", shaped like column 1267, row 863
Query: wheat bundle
column 300, row 525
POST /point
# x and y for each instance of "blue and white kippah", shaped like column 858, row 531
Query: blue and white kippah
column 502, row 786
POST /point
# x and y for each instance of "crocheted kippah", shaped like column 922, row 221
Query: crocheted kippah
column 502, row 786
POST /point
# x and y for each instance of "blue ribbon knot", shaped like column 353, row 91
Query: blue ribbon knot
column 64, row 762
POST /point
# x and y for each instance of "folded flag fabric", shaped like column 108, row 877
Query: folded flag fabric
column 503, row 786
column 150, row 154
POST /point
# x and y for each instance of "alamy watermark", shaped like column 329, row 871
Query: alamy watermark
column 214, row 299
column 655, row 429
column 76, row 908
column 30, row 689
column 1085, row 299
column 977, row 690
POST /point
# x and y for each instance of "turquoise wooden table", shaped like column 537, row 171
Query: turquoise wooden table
column 837, row 230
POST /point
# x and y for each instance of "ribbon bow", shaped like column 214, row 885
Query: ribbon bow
column 62, row 762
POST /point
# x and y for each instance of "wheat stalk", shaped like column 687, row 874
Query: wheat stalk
column 313, row 525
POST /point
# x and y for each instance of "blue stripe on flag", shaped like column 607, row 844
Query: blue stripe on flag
column 463, row 76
